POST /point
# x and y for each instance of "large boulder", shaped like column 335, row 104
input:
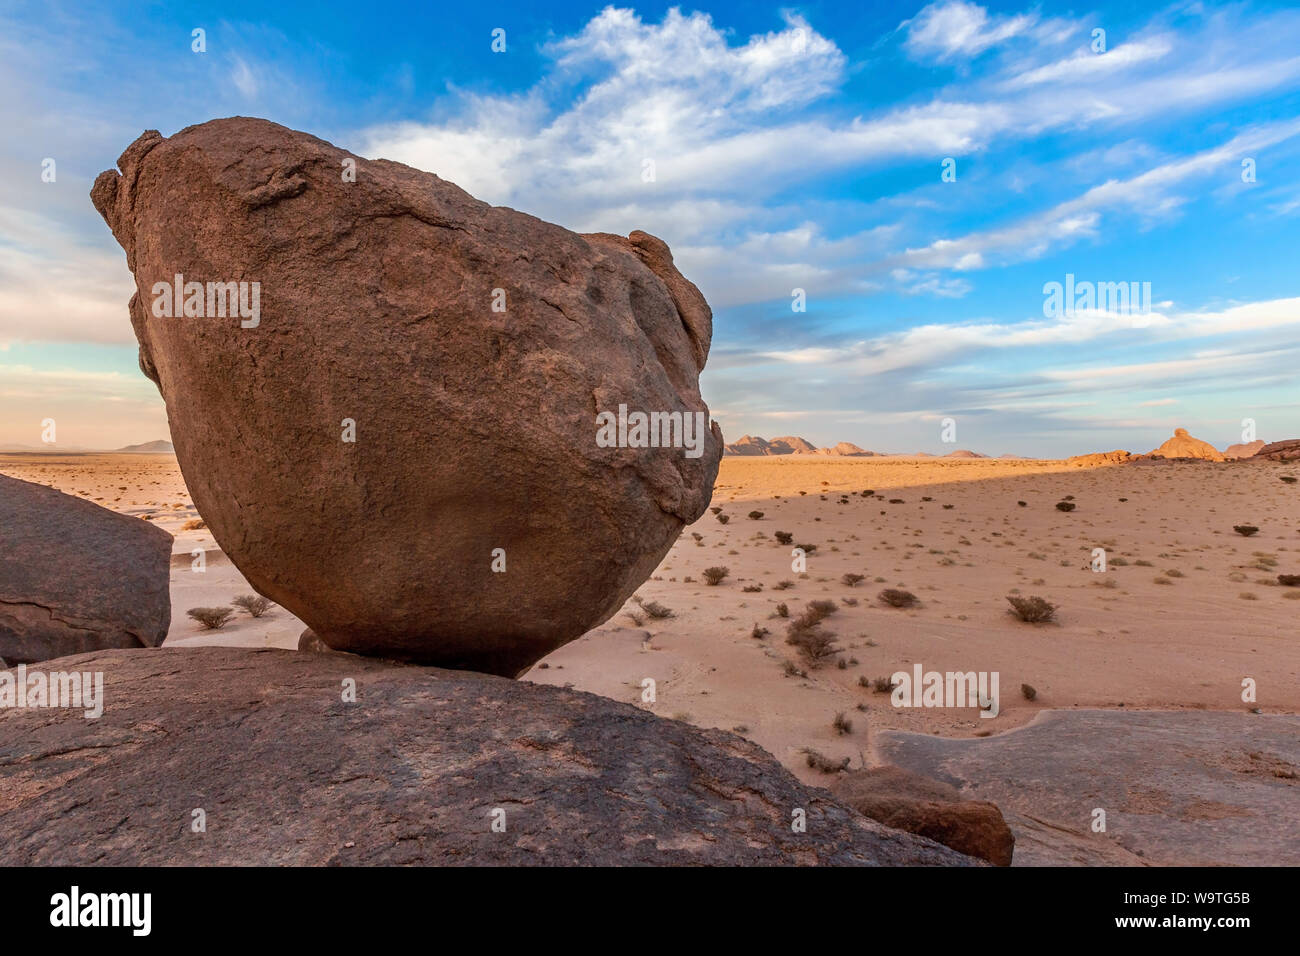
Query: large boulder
column 909, row 801
column 261, row 749
column 413, row 403
column 1183, row 445
column 76, row 577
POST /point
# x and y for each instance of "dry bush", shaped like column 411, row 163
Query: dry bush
column 716, row 510
column 1289, row 580
column 783, row 610
column 656, row 610
column 806, row 548
column 211, row 618
column 635, row 618
column 758, row 633
column 897, row 598
column 1245, row 530
column 883, row 685
column 852, row 580
column 1032, row 610
column 805, row 633
column 254, row 604
column 723, row 519
column 782, row 585
column 194, row 524
column 1065, row 506
column 755, row 516
column 1289, row 479
column 823, row 763
column 842, row 724
column 715, row 575
column 752, row 588
column 1028, row 692
column 784, row 537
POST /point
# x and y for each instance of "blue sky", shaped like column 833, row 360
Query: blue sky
column 795, row 147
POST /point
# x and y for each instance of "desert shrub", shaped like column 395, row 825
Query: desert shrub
column 782, row 585
column 716, row 510
column 1289, row 479
column 752, row 588
column 1028, row 692
column 842, row 724
column 194, row 524
column 823, row 763
column 784, row 537
column 715, row 575
column 1289, row 580
column 792, row 669
column 782, row 610
column 947, row 507
column 850, row 602
column 1065, row 506
column 656, row 610
column 211, row 618
column 755, row 516
column 1023, row 504
column 806, row 548
column 818, row 611
column 758, row 633
column 1032, row 610
column 896, row 501
column 723, row 519
column 254, row 604
column 852, row 580
column 897, row 598
column 883, row 685
column 1245, row 530
column 635, row 618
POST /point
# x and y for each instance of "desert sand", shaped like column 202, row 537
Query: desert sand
column 1186, row 609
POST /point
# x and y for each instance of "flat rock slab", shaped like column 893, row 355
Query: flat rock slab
column 1178, row 787
column 286, row 772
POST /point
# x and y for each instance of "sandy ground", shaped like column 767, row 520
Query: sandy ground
column 1185, row 611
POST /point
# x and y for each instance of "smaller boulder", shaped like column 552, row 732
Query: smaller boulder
column 75, row 577
column 905, row 800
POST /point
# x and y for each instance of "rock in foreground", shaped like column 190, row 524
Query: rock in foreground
column 286, row 772
column 76, row 577
column 391, row 425
column 908, row 801
column 1288, row 450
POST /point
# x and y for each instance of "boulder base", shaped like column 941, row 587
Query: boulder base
column 414, row 772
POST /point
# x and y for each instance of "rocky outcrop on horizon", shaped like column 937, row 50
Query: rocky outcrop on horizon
column 752, row 446
column 1288, row 450
column 1247, row 450
column 410, row 465
column 76, row 577
column 416, row 771
column 1183, row 445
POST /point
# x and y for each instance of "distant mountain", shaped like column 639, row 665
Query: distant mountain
column 963, row 453
column 148, row 448
column 753, row 446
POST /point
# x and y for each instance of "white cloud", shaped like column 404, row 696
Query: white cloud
column 955, row 29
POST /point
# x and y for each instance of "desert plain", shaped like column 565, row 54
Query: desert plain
column 1185, row 611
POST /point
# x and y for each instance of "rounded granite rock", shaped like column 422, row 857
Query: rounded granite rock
column 396, row 436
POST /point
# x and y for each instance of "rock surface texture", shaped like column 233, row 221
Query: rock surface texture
column 1179, row 788
column 286, row 772
column 467, row 349
column 76, row 577
column 908, row 801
